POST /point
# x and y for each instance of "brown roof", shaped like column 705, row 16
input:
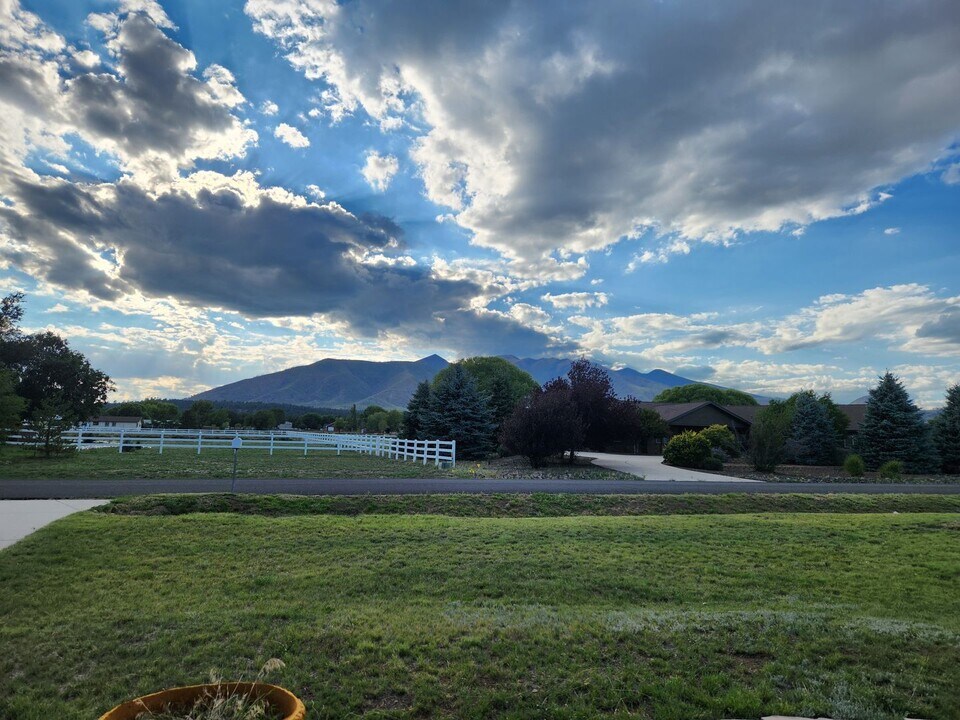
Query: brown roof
column 671, row 411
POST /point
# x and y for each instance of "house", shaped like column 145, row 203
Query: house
column 115, row 422
column 739, row 418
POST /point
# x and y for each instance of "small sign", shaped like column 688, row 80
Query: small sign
column 236, row 443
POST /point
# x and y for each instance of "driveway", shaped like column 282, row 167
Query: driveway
column 19, row 518
column 651, row 467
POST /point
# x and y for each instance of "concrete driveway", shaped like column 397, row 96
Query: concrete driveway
column 651, row 467
column 19, row 518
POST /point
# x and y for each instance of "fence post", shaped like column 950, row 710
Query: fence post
column 79, row 436
column 120, row 449
column 199, row 440
column 338, row 446
column 161, row 441
column 271, row 443
column 304, row 445
column 426, row 444
column 453, row 452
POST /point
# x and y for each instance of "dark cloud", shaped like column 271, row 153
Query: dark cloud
column 567, row 124
column 945, row 327
column 270, row 259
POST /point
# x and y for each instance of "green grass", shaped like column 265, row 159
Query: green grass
column 850, row 616
column 534, row 505
column 184, row 463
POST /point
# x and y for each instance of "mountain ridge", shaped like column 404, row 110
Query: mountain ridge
column 337, row 383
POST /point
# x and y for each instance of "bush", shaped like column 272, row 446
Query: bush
column 854, row 466
column 545, row 423
column 768, row 436
column 688, row 449
column 891, row 470
column 712, row 463
column 722, row 438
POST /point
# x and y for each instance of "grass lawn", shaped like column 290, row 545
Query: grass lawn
column 679, row 616
column 104, row 463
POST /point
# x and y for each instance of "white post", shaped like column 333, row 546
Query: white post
column 453, row 452
column 425, row 444
column 199, row 440
column 304, row 445
column 338, row 446
column 79, row 436
column 120, row 449
column 161, row 442
column 271, row 443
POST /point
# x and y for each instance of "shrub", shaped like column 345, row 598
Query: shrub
column 545, row 423
column 712, row 463
column 722, row 438
column 891, row 470
column 768, row 436
column 854, row 466
column 688, row 449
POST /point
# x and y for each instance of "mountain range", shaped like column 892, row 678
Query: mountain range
column 341, row 383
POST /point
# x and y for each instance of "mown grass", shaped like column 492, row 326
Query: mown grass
column 532, row 505
column 107, row 463
column 843, row 615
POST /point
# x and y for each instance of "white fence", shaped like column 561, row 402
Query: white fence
column 86, row 438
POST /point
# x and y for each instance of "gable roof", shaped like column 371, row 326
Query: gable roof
column 672, row 412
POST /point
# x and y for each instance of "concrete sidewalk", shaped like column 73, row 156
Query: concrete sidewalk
column 19, row 518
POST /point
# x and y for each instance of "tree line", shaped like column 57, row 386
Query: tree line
column 488, row 405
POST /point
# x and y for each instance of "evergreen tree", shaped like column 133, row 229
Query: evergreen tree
column 813, row 432
column 458, row 411
column 416, row 410
column 893, row 429
column 946, row 432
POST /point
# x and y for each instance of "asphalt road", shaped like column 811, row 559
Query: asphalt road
column 36, row 489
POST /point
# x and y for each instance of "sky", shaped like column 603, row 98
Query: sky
column 764, row 195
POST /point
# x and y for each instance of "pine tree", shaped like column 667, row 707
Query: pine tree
column 893, row 429
column 458, row 411
column 416, row 409
column 813, row 432
column 946, row 432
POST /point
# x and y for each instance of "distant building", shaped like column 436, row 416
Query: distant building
column 285, row 426
column 739, row 418
column 118, row 422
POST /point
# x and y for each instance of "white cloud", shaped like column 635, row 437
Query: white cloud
column 291, row 136
column 316, row 192
column 551, row 126
column 579, row 300
column 269, row 107
column 891, row 231
column 378, row 170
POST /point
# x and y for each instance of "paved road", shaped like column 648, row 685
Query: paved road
column 22, row 489
column 651, row 467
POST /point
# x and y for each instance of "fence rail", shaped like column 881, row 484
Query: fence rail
column 86, row 438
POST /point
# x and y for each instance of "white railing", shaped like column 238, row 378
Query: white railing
column 86, row 438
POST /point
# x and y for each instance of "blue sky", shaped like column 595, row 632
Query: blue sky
column 762, row 195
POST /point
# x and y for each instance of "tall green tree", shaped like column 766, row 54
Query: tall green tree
column 813, row 433
column 459, row 411
column 11, row 312
column 12, row 406
column 768, row 436
column 946, row 432
column 415, row 414
column 893, row 429
column 198, row 415
column 698, row 392
column 500, row 380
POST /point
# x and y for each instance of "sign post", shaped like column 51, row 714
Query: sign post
column 236, row 444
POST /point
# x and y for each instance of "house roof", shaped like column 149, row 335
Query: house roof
column 671, row 412
column 116, row 418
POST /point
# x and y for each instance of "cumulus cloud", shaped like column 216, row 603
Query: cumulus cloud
column 891, row 231
column 378, row 170
column 291, row 136
column 218, row 241
column 574, row 126
column 269, row 107
column 579, row 300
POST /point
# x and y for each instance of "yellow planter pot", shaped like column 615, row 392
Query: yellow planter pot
column 279, row 698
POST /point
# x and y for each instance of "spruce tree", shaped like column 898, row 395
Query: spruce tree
column 946, row 432
column 893, row 429
column 416, row 409
column 813, row 432
column 458, row 411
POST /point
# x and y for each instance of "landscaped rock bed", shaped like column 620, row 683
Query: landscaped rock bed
column 824, row 473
